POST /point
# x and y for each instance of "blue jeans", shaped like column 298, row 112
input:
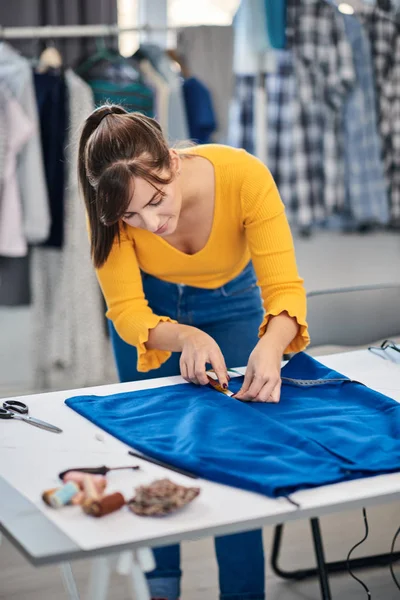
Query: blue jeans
column 231, row 315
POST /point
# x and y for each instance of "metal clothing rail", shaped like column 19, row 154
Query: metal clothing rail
column 73, row 31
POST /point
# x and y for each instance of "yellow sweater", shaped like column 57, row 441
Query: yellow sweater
column 249, row 222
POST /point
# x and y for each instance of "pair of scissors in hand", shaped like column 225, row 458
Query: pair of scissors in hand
column 12, row 409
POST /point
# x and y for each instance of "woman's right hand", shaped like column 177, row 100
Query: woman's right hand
column 198, row 349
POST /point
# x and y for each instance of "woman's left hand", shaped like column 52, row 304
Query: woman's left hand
column 262, row 382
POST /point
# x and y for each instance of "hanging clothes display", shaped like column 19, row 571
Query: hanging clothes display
column 70, row 344
column 18, row 130
column 15, row 287
column 324, row 70
column 384, row 33
column 161, row 92
column 118, row 80
column 252, row 59
column 3, row 137
column 276, row 23
column 325, row 429
column 241, row 114
column 16, row 74
column 177, row 120
column 52, row 101
column 25, row 211
column 208, row 55
column 199, row 111
column 367, row 200
column 281, row 93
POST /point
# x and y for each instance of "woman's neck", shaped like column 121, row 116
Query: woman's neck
column 194, row 181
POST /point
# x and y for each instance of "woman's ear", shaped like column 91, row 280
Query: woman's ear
column 176, row 161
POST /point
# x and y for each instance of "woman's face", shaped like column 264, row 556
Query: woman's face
column 152, row 210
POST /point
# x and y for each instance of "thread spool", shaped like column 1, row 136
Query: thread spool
column 90, row 489
column 105, row 505
column 78, row 499
column 47, row 495
column 63, row 495
column 78, row 477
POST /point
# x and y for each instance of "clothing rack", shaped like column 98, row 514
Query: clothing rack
column 74, row 31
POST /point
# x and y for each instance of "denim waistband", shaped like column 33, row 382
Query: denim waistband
column 245, row 280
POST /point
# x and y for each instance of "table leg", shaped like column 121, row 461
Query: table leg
column 138, row 581
column 320, row 556
column 69, row 581
column 99, row 578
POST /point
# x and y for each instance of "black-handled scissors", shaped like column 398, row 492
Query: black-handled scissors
column 12, row 409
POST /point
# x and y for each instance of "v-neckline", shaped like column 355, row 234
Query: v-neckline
column 212, row 230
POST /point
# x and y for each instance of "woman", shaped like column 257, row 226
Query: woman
column 174, row 239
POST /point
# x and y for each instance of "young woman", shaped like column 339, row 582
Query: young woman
column 195, row 259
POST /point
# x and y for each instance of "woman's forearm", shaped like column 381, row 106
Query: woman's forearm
column 168, row 336
column 281, row 330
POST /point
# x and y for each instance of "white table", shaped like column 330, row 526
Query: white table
column 31, row 460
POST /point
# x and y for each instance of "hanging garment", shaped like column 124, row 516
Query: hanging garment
column 199, row 110
column 384, row 35
column 325, row 429
column 241, row 132
column 132, row 96
column 15, row 285
column 161, row 90
column 366, row 194
column 177, row 120
column 51, row 97
column 16, row 74
column 70, row 345
column 118, row 80
column 281, row 92
column 276, row 23
column 324, row 70
column 3, row 136
column 260, row 118
column 19, row 130
column 208, row 54
column 251, row 47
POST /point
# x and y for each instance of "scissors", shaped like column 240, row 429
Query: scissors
column 12, row 409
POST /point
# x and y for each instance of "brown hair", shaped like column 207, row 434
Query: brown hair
column 115, row 146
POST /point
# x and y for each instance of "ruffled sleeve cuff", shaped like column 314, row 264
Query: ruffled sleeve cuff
column 302, row 339
column 151, row 359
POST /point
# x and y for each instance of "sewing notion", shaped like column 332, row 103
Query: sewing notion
column 13, row 409
column 103, row 470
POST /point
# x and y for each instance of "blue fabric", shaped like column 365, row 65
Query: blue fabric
column 229, row 313
column 318, row 434
column 199, row 110
column 276, row 23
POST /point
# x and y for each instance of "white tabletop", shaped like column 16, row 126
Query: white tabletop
column 32, row 458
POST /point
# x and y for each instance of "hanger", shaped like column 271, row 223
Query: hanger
column 102, row 53
column 180, row 60
column 50, row 58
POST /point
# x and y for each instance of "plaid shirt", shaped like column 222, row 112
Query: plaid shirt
column 366, row 193
column 281, row 92
column 241, row 114
column 385, row 41
column 324, row 71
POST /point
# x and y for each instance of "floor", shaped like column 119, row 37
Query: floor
column 326, row 260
